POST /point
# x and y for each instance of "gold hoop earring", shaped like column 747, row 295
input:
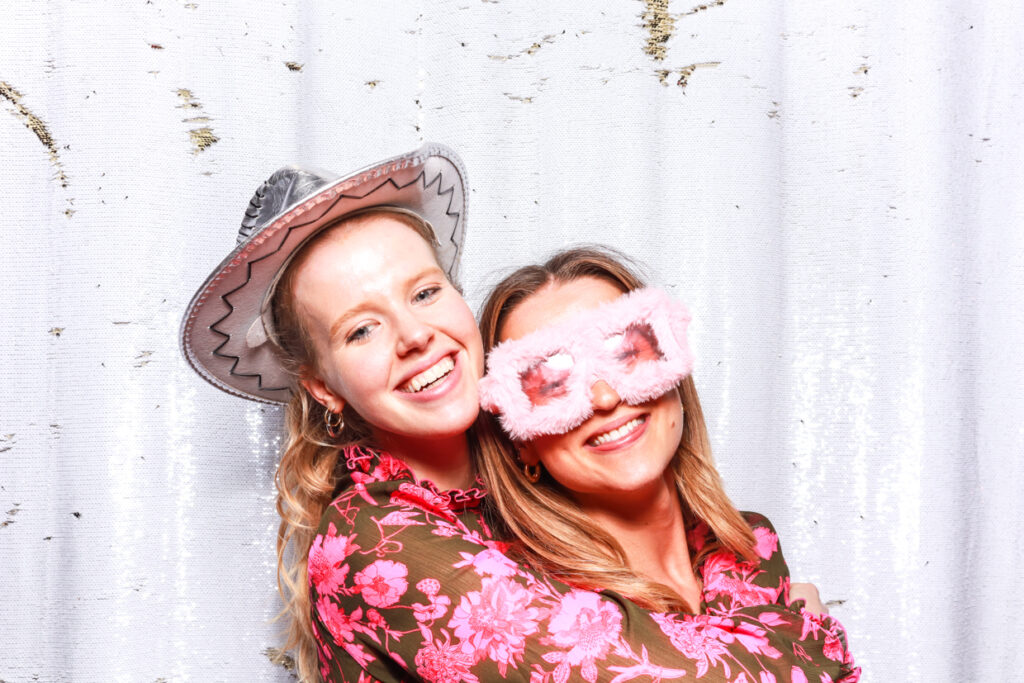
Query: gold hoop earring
column 532, row 473
column 334, row 423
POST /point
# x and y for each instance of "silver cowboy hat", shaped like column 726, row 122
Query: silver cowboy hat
column 227, row 332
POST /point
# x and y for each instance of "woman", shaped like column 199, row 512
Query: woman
column 338, row 300
column 609, row 482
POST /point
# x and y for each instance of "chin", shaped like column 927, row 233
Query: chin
column 454, row 422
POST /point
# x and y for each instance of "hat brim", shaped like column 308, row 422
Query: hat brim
column 222, row 334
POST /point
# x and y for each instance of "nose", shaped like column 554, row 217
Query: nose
column 413, row 334
column 603, row 396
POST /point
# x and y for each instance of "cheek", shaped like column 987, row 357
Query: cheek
column 357, row 378
column 559, row 455
column 463, row 329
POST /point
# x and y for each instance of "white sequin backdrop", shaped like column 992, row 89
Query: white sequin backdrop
column 834, row 185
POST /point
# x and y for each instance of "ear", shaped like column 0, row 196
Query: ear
column 319, row 390
column 527, row 452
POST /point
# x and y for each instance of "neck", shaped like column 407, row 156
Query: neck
column 445, row 462
column 651, row 530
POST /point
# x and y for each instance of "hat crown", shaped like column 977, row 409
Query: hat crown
column 287, row 187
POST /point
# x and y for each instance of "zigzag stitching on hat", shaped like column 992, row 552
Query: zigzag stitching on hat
column 451, row 195
column 255, row 204
column 248, row 273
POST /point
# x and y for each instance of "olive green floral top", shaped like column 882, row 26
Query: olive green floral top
column 407, row 584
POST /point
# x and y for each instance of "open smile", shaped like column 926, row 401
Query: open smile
column 430, row 380
column 620, row 435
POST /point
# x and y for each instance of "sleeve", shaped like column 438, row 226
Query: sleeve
column 772, row 571
column 402, row 589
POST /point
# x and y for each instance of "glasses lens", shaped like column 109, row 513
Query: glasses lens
column 547, row 379
column 635, row 344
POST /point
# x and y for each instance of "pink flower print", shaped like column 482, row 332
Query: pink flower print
column 767, row 543
column 342, row 628
column 724, row 576
column 812, row 624
column 754, row 639
column 797, row 676
column 438, row 604
column 495, row 621
column 697, row 537
column 743, row 594
column 325, row 556
column 443, row 662
column 720, row 563
column 501, row 546
column 748, row 594
column 702, row 641
column 825, row 678
column 833, row 648
column 401, row 518
column 445, row 530
column 436, row 609
column 388, row 469
column 422, row 498
column 382, row 583
column 340, row 625
column 429, row 587
column 767, row 677
column 375, row 620
column 586, row 624
column 488, row 563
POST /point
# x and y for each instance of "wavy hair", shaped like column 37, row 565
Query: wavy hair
column 548, row 530
column 307, row 476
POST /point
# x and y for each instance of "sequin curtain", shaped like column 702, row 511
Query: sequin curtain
column 833, row 185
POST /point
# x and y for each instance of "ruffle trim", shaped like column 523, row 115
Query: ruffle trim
column 368, row 460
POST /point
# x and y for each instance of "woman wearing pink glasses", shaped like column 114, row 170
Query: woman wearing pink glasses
column 338, row 301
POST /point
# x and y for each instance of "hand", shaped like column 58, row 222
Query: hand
column 807, row 592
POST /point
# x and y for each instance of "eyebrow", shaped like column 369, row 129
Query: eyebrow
column 367, row 305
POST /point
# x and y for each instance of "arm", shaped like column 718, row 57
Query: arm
column 403, row 588
column 808, row 594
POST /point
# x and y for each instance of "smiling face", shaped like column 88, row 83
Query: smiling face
column 620, row 451
column 391, row 336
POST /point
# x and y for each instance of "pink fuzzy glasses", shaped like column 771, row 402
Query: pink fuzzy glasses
column 540, row 384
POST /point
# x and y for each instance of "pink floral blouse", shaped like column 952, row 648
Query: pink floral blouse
column 407, row 585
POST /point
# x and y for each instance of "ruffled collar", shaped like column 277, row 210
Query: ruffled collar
column 382, row 466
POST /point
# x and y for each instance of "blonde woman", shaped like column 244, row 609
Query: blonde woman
column 608, row 481
column 338, row 302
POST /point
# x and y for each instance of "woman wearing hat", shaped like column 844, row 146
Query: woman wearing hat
column 338, row 301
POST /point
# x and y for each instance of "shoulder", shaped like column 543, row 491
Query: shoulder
column 384, row 502
column 757, row 521
column 765, row 536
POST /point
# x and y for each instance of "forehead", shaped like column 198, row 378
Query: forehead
column 556, row 301
column 366, row 260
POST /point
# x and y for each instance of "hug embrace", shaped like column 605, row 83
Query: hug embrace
column 533, row 499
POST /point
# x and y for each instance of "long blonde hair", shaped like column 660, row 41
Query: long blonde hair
column 307, row 475
column 549, row 531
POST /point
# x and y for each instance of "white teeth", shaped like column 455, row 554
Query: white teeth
column 440, row 369
column 617, row 433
